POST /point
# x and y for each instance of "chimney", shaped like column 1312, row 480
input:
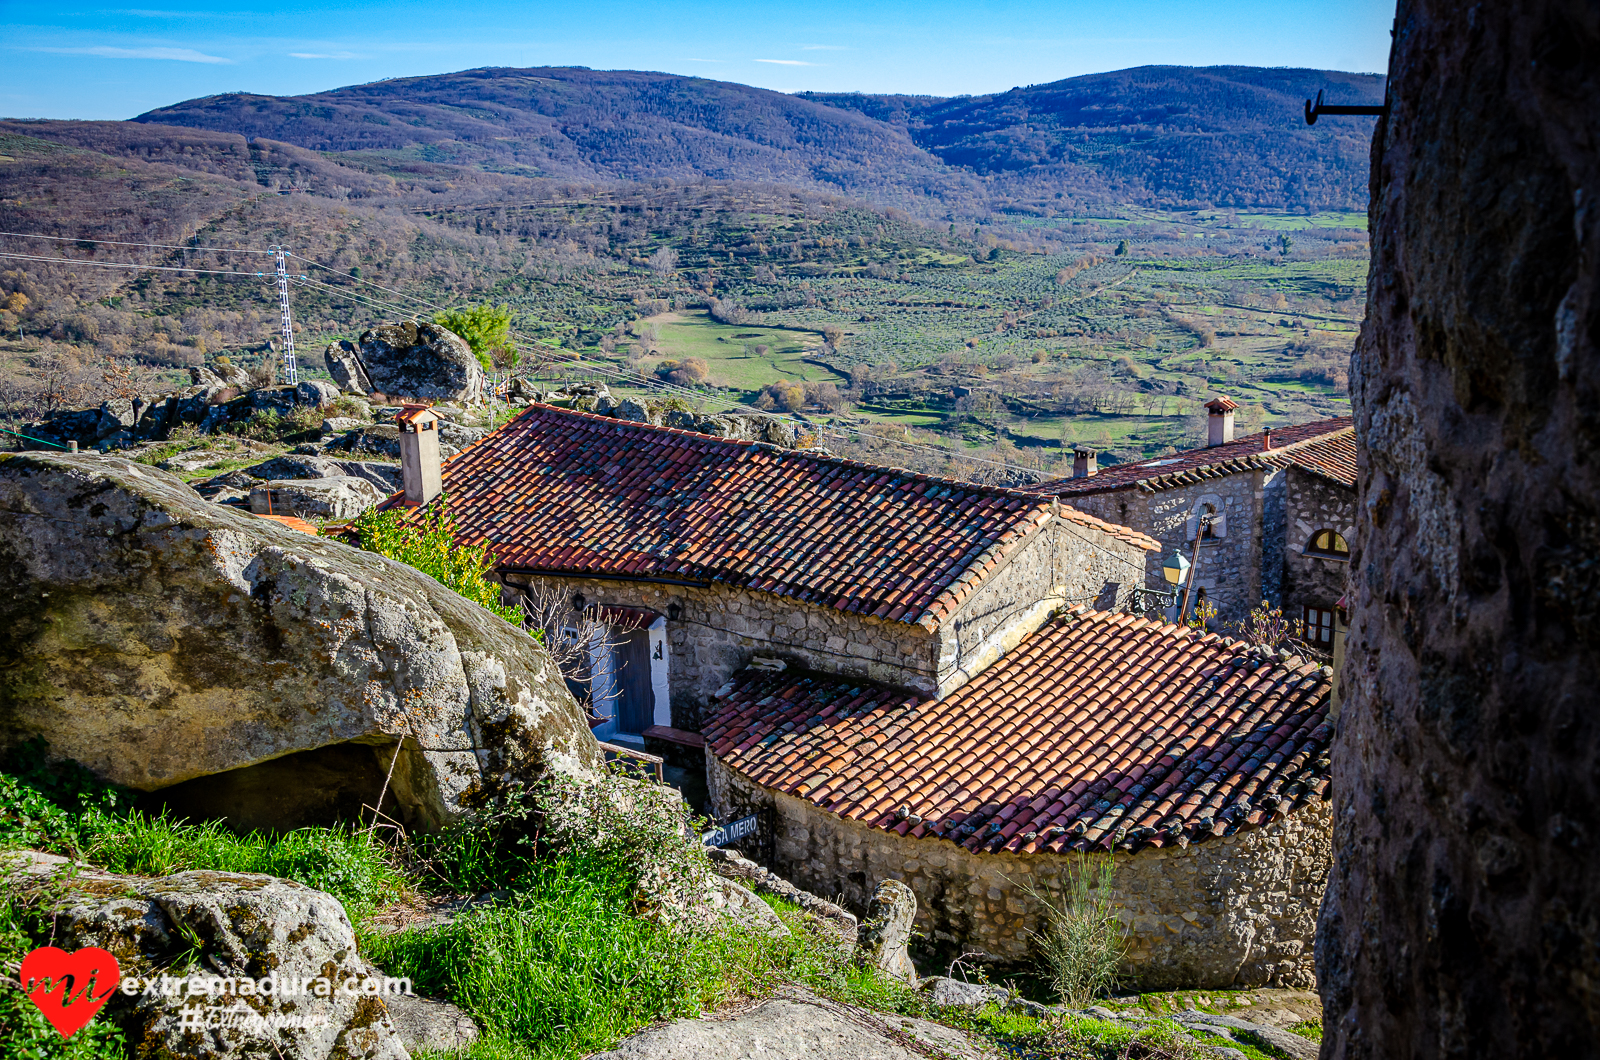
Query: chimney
column 1219, row 421
column 1084, row 462
column 419, row 453
column 1266, row 438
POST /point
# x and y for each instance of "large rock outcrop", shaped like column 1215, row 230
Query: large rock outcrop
column 200, row 928
column 158, row 639
column 1462, row 916
column 408, row 360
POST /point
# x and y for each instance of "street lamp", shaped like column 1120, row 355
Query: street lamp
column 1176, row 569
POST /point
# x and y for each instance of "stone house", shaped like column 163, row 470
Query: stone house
column 1281, row 508
column 714, row 552
column 1199, row 764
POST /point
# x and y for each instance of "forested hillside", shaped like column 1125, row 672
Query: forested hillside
column 1152, row 136
column 1165, row 136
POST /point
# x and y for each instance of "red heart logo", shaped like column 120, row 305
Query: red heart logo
column 69, row 988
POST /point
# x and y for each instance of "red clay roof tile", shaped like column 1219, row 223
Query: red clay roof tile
column 1324, row 447
column 1211, row 748
column 594, row 495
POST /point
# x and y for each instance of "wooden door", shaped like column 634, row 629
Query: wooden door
column 637, row 709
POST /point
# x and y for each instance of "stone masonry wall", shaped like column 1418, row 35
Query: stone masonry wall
column 718, row 629
column 1065, row 565
column 1237, row 910
column 1315, row 504
column 1230, row 566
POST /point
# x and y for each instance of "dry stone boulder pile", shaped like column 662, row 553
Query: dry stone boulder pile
column 157, row 638
column 423, row 361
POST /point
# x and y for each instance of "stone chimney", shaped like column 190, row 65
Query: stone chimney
column 1219, row 421
column 419, row 453
column 1084, row 462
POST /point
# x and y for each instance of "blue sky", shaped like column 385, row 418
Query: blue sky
column 83, row 60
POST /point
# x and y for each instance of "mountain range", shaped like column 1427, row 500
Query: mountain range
column 1164, row 137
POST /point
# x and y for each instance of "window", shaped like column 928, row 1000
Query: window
column 1328, row 543
column 1207, row 520
column 1319, row 627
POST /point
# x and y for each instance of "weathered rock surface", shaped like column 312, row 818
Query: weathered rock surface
column 1462, row 916
column 343, row 361
column 157, row 638
column 800, row 1026
column 833, row 921
column 424, row 1024
column 1256, row 1034
column 333, row 497
column 419, row 361
column 248, row 926
column 384, row 476
column 959, row 994
column 382, row 439
column 887, row 930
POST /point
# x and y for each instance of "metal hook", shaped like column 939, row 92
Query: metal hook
column 1319, row 108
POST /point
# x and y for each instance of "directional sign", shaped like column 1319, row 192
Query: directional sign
column 733, row 831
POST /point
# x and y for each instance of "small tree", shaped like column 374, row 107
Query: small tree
column 1082, row 942
column 485, row 329
column 663, row 261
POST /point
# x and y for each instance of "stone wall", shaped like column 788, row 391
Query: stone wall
column 1237, row 910
column 1230, row 565
column 1315, row 504
column 713, row 632
column 1064, row 565
column 1462, row 916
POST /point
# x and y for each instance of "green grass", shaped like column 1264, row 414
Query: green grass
column 729, row 350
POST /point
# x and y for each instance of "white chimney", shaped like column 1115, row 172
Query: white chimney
column 1084, row 462
column 1219, row 421
column 419, row 454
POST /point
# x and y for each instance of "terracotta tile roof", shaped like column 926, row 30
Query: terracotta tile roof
column 292, row 522
column 581, row 494
column 1100, row 731
column 1242, row 454
column 1333, row 457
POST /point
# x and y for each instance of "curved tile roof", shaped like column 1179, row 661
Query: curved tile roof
column 1100, row 731
column 582, row 494
column 1331, row 445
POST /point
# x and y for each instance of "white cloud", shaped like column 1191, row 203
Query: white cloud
column 324, row 55
column 785, row 62
column 181, row 55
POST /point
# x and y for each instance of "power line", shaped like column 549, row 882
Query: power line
column 369, row 283
column 124, row 243
column 131, row 265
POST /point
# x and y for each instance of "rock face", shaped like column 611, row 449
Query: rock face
column 343, row 360
column 824, row 915
column 887, row 930
column 1462, row 916
column 799, row 1026
column 419, row 361
column 157, row 638
column 249, row 927
column 334, row 497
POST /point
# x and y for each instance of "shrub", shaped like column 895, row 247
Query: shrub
column 427, row 542
column 1082, row 941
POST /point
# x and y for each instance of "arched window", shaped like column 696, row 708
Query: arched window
column 1328, row 543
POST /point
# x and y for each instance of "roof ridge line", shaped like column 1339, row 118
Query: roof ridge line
column 782, row 452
